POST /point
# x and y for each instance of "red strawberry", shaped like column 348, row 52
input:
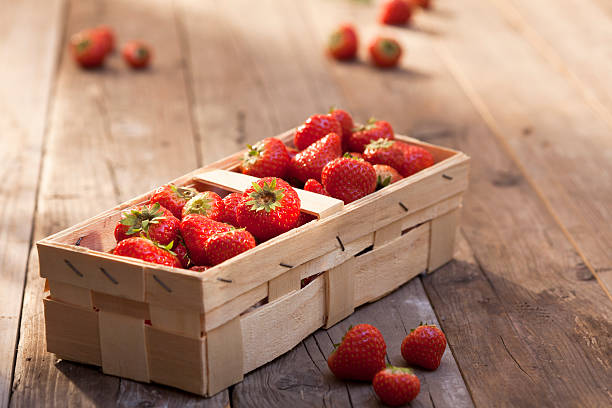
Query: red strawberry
column 424, row 346
column 269, row 208
column 196, row 229
column 107, row 36
column 395, row 12
column 267, row 158
column 147, row 250
column 349, row 179
column 225, row 245
column 396, row 386
column 346, row 121
column 385, row 175
column 314, row 186
column 373, row 130
column 315, row 127
column 304, row 218
column 136, row 54
column 180, row 250
column 383, row 151
column 199, row 268
column 360, row 355
column 88, row 48
column 230, row 202
column 309, row 163
column 415, row 159
column 173, row 198
column 206, row 203
column 292, row 151
column 152, row 221
column 343, row 43
column 385, row 52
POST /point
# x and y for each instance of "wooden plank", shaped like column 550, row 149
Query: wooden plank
column 234, row 307
column 339, row 292
column 184, row 322
column 70, row 294
column 123, row 346
column 127, row 307
column 311, row 203
column 442, row 239
column 224, row 346
column 286, row 283
column 28, row 50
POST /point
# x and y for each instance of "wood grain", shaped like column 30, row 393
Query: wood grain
column 28, row 64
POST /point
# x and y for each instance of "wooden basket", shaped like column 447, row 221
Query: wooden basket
column 187, row 329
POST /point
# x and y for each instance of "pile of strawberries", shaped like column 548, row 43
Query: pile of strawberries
column 385, row 52
column 361, row 356
column 90, row 48
column 182, row 227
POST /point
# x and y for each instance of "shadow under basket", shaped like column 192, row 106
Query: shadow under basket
column 188, row 329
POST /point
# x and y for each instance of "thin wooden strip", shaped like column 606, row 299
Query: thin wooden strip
column 340, row 292
column 284, row 284
column 184, row 322
column 442, row 240
column 114, row 304
column 70, row 294
column 234, row 307
column 223, row 351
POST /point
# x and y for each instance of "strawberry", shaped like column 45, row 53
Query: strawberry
column 230, row 202
column 360, row 355
column 180, row 250
column 415, row 159
column 106, row 35
column 343, row 43
column 173, row 198
column 383, row 151
column 146, row 250
column 309, row 163
column 395, row 12
column 349, row 179
column 292, row 151
column 354, row 155
column 396, row 386
column 314, row 186
column 152, row 221
column 88, row 49
column 267, row 158
column 304, row 218
column 269, row 208
column 225, row 245
column 206, row 203
column 199, row 268
column 346, row 121
column 424, row 347
column 315, row 127
column 373, row 130
column 385, row 52
column 385, row 175
column 196, row 229
column 136, row 54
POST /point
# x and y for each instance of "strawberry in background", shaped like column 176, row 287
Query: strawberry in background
column 88, row 49
column 267, row 158
column 396, row 12
column 385, row 52
column 137, row 54
column 343, row 43
column 315, row 128
column 346, row 121
column 107, row 36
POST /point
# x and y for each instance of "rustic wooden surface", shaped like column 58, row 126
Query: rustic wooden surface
column 523, row 87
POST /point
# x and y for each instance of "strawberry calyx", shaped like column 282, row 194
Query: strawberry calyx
column 201, row 203
column 336, row 39
column 267, row 197
column 253, row 153
column 380, row 182
column 186, row 193
column 165, row 247
column 139, row 220
column 398, row 370
column 388, row 48
column 370, row 124
column 348, row 155
column 381, row 143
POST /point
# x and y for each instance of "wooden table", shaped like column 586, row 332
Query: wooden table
column 522, row 86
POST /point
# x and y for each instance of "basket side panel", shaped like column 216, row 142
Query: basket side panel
column 72, row 332
column 224, row 348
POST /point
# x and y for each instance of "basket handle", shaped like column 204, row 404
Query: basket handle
column 312, row 203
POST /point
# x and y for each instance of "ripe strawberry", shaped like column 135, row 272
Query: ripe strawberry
column 147, row 250
column 385, row 52
column 360, row 355
column 152, row 221
column 88, row 49
column 349, row 179
column 314, row 186
column 315, row 127
column 309, row 163
column 173, row 198
column 136, row 54
column 180, row 250
column 373, row 130
column 395, row 12
column 346, row 121
column 292, row 151
column 206, row 203
column 230, row 202
column 196, row 229
column 343, row 43
column 396, row 386
column 269, row 208
column 107, row 36
column 267, row 158
column 225, row 245
column 424, row 346
column 304, row 218
column 385, row 175
column 383, row 151
column 415, row 159
column 199, row 268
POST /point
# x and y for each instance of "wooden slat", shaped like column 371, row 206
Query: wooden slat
column 184, row 322
column 70, row 294
column 127, row 307
column 234, row 307
column 29, row 36
column 442, row 239
column 339, row 292
column 224, row 346
column 286, row 283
